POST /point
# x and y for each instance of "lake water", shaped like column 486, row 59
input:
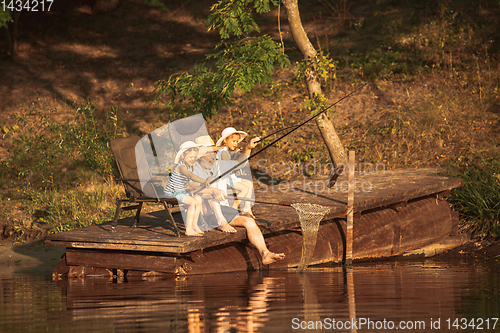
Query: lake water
column 426, row 295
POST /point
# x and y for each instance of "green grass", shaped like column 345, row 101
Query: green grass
column 478, row 200
column 52, row 211
column 59, row 174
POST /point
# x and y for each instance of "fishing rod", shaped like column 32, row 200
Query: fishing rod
column 273, row 133
column 280, row 130
column 292, row 126
column 300, row 125
column 281, row 137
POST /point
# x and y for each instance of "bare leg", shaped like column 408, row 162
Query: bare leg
column 242, row 194
column 205, row 208
column 247, row 208
column 221, row 220
column 257, row 239
column 199, row 204
column 192, row 228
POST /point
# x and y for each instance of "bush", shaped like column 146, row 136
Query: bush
column 89, row 137
column 478, row 201
column 43, row 148
column 58, row 174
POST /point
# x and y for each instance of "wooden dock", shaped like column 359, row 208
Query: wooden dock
column 396, row 212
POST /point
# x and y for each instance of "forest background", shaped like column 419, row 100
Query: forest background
column 80, row 78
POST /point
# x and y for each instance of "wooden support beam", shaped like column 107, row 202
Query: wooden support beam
column 444, row 194
column 121, row 260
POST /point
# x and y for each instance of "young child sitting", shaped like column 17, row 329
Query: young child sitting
column 188, row 154
column 229, row 143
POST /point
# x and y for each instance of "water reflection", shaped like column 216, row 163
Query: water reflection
column 424, row 293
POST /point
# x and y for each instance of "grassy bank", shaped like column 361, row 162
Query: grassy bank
column 431, row 99
column 59, row 172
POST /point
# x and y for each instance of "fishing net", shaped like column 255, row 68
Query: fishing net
column 310, row 215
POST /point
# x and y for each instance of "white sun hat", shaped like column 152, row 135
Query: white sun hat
column 206, row 141
column 229, row 131
column 188, row 145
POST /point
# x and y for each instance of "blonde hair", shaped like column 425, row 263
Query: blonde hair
column 229, row 136
column 183, row 156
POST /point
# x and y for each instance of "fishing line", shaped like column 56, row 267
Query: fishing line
column 281, row 137
column 280, row 130
column 302, row 124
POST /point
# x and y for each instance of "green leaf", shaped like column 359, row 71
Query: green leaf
column 241, row 64
column 156, row 4
column 234, row 17
column 5, row 17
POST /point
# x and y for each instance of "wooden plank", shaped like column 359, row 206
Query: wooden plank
column 383, row 188
column 121, row 260
column 146, row 237
column 211, row 238
column 112, row 246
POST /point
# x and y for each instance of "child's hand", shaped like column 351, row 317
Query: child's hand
column 253, row 143
column 210, row 179
column 218, row 195
column 207, row 182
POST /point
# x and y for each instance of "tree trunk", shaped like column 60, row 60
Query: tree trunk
column 332, row 141
column 11, row 33
column 13, row 51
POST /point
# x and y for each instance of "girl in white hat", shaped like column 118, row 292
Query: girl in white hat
column 229, row 142
column 188, row 154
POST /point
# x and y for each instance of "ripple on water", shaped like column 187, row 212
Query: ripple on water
column 254, row 301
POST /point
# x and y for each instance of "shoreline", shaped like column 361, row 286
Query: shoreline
column 35, row 257
column 32, row 257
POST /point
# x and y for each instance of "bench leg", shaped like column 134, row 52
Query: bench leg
column 117, row 214
column 171, row 218
column 137, row 215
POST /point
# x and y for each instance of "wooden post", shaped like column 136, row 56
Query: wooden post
column 350, row 210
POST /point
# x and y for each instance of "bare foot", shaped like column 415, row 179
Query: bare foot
column 271, row 257
column 194, row 233
column 227, row 228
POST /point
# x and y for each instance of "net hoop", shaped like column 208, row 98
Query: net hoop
column 310, row 213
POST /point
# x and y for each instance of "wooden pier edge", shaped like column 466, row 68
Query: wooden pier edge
column 393, row 224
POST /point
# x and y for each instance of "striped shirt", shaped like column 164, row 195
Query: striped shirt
column 177, row 182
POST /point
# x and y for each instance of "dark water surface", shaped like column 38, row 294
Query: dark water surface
column 389, row 296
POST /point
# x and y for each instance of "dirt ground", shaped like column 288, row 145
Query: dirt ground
column 487, row 251
column 69, row 56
